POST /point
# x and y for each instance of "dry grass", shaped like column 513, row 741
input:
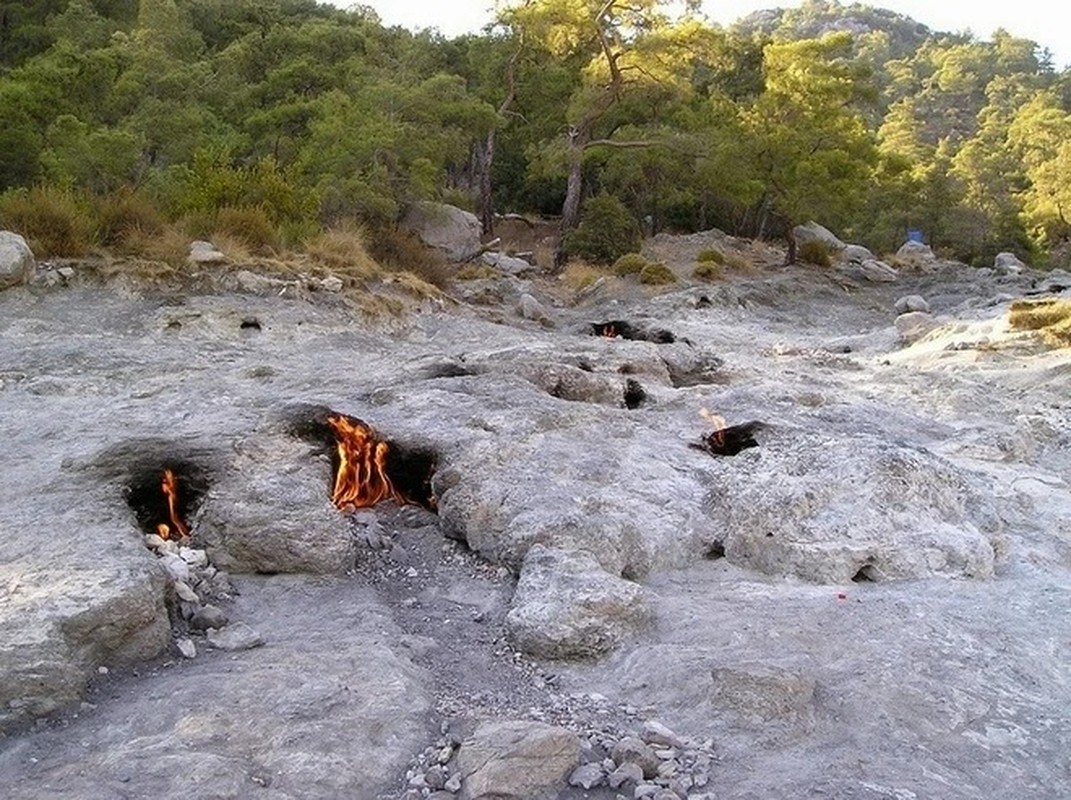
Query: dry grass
column 1051, row 318
column 247, row 227
column 415, row 285
column 579, row 275
column 477, row 272
column 343, row 251
column 54, row 223
column 169, row 245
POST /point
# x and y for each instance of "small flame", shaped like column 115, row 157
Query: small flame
column 361, row 480
column 609, row 331
column 169, row 486
column 717, row 436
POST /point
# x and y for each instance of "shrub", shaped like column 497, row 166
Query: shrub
column 710, row 256
column 606, row 231
column 630, row 264
column 246, row 225
column 123, row 215
column 707, row 271
column 1050, row 317
column 657, row 274
column 54, row 222
column 815, row 252
column 399, row 250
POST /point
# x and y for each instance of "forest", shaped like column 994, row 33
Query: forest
column 273, row 120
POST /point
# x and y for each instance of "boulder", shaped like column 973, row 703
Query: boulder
column 877, row 271
column 16, row 260
column 205, row 253
column 913, row 325
column 832, row 509
column 270, row 511
column 454, row 231
column 532, row 309
column 915, row 253
column 812, row 231
column 508, row 265
column 517, row 760
column 856, row 253
column 1009, row 263
column 567, row 606
column 912, row 302
column 1056, row 281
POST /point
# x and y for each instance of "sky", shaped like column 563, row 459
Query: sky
column 1048, row 22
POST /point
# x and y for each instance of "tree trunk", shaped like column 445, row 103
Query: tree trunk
column 790, row 237
column 573, row 188
column 485, row 158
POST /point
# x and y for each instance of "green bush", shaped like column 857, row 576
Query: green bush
column 710, row 256
column 249, row 225
column 657, row 274
column 707, row 271
column 815, row 252
column 630, row 264
column 606, row 232
column 124, row 214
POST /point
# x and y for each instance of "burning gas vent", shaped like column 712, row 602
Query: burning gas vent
column 164, row 498
column 367, row 468
column 727, row 440
column 626, row 330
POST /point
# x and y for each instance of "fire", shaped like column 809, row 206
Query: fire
column 361, row 480
column 609, row 331
column 169, row 486
column 717, row 436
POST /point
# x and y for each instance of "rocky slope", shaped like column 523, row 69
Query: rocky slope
column 870, row 603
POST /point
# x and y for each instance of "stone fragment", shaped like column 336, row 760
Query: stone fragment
column 195, row 557
column 654, row 732
column 631, row 749
column 238, row 636
column 185, row 593
column 813, row 232
column 186, row 647
column 567, row 606
column 530, row 308
column 916, row 253
column 629, row 772
column 1009, row 263
column 517, row 760
column 206, row 617
column 912, row 302
column 856, row 253
column 332, row 284
column 435, row 777
column 445, row 227
column 587, row 776
column 877, row 271
column 517, row 267
column 175, row 567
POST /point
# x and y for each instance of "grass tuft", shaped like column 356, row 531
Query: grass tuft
column 1050, row 317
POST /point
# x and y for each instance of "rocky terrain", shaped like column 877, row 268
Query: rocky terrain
column 871, row 603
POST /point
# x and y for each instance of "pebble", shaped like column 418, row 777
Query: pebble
column 153, row 542
column 646, row 790
column 453, row 783
column 186, row 647
column 626, row 773
column 238, row 636
column 436, row 777
column 178, row 569
column 631, row 748
column 194, row 557
column 654, row 732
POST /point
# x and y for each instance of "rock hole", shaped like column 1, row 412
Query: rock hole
column 634, row 394
column 173, row 325
column 250, row 324
column 731, row 440
column 615, row 328
column 714, row 551
column 866, row 574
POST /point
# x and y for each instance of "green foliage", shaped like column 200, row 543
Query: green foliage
column 251, row 226
column 710, row 256
column 815, row 252
column 657, row 274
column 606, row 231
column 630, row 264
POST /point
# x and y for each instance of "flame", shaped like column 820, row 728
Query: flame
column 609, row 331
column 717, row 436
column 169, row 486
column 361, row 480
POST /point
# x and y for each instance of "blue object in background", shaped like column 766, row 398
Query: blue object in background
column 914, row 235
